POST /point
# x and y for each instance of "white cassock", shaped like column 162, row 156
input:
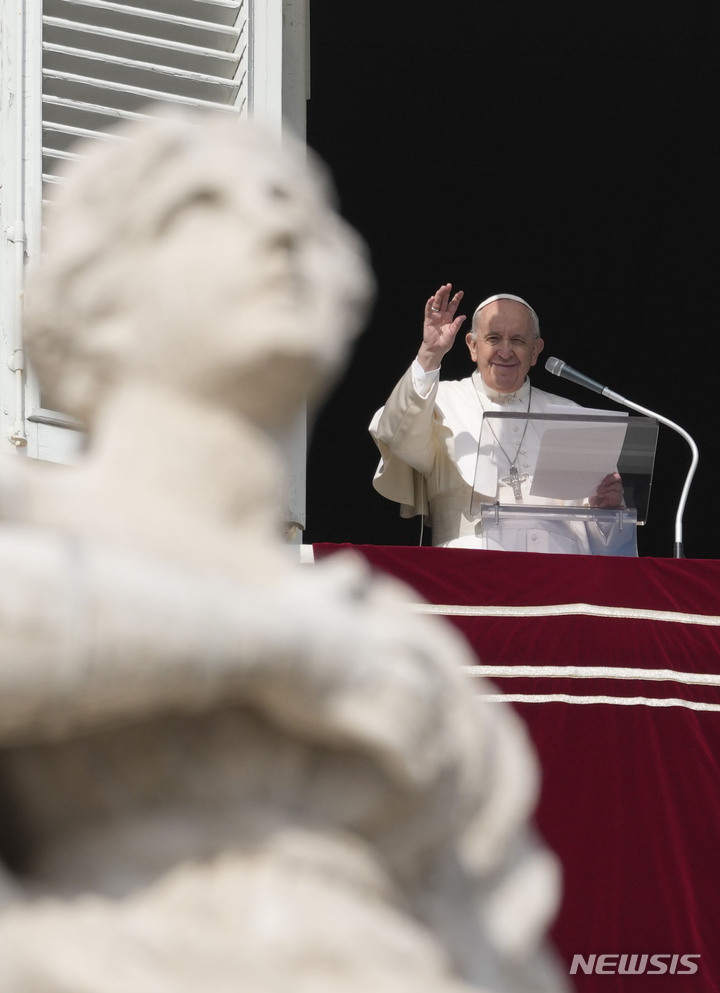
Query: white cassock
column 428, row 434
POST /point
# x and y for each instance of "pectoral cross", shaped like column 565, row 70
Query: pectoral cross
column 515, row 480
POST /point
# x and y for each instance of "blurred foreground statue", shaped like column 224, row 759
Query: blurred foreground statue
column 221, row 771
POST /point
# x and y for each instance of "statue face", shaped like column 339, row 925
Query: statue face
column 251, row 290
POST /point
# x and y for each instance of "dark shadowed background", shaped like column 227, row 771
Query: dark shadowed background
column 565, row 152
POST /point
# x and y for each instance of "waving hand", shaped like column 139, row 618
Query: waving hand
column 440, row 326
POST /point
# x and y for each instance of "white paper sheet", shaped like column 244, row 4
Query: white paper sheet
column 575, row 456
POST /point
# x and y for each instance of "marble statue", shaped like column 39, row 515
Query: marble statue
column 221, row 770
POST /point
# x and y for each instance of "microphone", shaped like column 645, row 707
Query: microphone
column 559, row 368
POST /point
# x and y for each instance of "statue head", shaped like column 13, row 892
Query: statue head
column 196, row 250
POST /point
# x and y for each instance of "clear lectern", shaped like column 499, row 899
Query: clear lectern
column 536, row 475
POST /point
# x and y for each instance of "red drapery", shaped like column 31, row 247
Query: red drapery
column 614, row 664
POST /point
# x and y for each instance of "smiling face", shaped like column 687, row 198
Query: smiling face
column 505, row 346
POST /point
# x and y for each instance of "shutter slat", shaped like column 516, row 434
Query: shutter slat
column 123, row 102
column 169, row 85
column 59, row 136
column 116, row 14
column 202, row 34
column 85, row 65
column 61, row 35
column 218, row 11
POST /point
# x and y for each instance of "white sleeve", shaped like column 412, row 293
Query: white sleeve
column 423, row 381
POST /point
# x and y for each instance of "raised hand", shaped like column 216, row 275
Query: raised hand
column 440, row 326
